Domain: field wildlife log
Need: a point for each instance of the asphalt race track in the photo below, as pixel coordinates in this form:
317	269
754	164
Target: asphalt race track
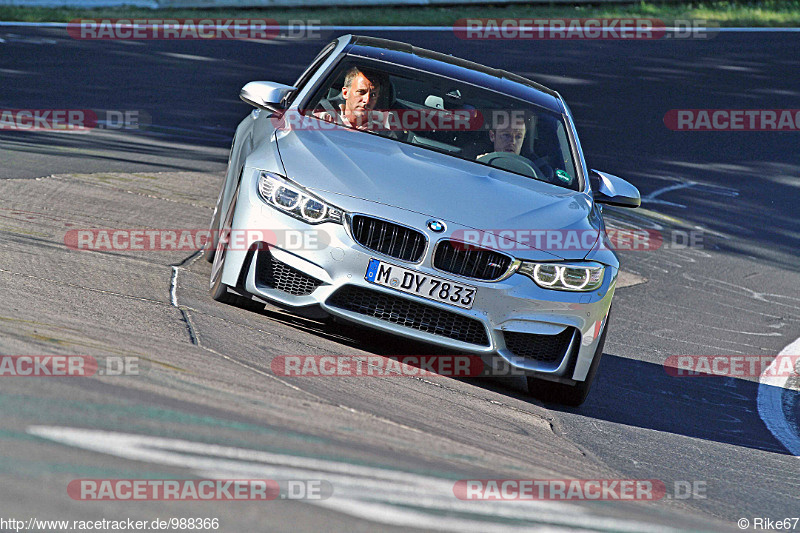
205	403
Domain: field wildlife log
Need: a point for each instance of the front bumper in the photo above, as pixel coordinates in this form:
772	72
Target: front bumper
301	265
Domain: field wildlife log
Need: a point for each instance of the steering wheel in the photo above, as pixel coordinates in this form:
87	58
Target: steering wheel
512	162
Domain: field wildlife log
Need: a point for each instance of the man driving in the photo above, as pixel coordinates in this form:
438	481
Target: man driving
361	90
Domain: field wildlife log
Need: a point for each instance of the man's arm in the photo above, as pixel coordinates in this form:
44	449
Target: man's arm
327	112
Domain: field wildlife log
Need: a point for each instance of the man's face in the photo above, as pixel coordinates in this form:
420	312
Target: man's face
508	139
360	97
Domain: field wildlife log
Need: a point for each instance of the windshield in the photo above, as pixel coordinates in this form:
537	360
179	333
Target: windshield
447	116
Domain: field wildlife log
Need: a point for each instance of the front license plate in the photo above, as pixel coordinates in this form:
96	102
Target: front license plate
413	282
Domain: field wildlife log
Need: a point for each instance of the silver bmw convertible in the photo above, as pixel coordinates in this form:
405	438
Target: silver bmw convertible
428	197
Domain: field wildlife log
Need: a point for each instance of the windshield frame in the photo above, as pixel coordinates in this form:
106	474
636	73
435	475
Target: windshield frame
326	78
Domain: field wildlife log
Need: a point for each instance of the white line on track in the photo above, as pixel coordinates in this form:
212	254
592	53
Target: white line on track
651	198
173	298
381	495
771	389
714	189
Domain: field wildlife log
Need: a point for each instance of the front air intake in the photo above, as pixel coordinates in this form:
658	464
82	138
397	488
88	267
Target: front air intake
388	238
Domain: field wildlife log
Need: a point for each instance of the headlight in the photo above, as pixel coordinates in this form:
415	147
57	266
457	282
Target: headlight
565	276
285	196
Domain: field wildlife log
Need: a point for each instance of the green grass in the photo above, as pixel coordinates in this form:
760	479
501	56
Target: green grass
763	13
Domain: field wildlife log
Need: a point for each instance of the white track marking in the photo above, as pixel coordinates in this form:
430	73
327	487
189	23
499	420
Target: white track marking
173	284
771	389
694	321
652	198
381	495
646	328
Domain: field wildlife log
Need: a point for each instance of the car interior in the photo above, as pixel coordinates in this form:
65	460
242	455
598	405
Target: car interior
542	155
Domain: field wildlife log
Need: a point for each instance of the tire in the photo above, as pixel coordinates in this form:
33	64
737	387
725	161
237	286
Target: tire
571	395
218	290
210	249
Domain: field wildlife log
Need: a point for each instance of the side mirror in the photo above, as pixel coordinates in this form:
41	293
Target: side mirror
266	94
612	190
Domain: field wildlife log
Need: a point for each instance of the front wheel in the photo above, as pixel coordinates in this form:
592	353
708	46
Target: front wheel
213	238
571	395
210	249
217	289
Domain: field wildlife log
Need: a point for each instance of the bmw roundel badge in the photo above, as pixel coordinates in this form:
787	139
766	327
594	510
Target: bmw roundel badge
436	225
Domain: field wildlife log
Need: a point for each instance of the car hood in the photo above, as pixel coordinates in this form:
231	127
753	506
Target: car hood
364	166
